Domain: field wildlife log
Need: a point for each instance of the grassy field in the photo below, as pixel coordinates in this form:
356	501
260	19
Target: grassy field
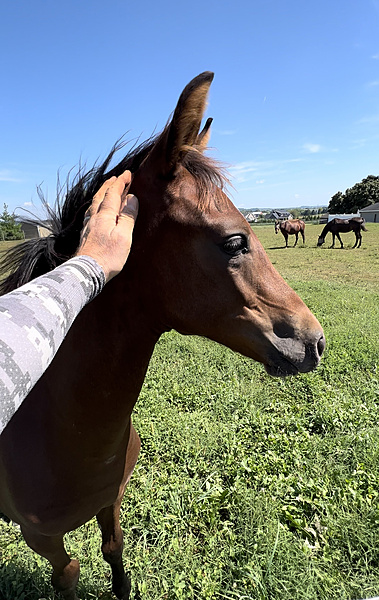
249	487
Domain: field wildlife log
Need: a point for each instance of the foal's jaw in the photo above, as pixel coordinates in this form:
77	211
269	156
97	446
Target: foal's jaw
282	354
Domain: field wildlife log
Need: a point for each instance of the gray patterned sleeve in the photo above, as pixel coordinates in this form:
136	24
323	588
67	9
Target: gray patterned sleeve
34	320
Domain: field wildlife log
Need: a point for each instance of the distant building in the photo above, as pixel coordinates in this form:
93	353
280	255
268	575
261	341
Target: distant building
34	230
371	213
252	217
280	215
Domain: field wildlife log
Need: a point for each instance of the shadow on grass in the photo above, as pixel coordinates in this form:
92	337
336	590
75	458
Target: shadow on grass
17	583
280	247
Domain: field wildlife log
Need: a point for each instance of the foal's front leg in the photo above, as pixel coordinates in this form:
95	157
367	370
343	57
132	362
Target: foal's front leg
65	570
113	543
109	521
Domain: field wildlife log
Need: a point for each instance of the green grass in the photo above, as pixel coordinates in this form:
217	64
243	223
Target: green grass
249	487
358	267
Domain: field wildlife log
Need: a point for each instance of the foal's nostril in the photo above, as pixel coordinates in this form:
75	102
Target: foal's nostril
321	346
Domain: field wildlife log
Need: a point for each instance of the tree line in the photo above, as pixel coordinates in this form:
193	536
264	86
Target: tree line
357	197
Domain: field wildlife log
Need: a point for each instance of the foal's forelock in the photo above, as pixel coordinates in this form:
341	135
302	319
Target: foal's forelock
210	179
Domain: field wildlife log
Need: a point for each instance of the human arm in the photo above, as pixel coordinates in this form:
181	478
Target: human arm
35	318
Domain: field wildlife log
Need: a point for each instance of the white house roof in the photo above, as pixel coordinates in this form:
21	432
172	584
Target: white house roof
280	214
371	208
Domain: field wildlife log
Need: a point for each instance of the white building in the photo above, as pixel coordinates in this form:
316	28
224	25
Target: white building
371	213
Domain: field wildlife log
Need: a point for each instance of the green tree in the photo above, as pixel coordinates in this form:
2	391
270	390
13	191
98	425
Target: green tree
336	204
359	196
9	228
362	194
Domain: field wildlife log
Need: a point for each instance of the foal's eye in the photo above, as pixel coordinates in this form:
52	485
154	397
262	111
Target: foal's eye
235	245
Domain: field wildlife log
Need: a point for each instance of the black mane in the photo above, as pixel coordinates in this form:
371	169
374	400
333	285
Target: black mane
35	257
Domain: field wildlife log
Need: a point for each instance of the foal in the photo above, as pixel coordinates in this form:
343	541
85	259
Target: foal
195	266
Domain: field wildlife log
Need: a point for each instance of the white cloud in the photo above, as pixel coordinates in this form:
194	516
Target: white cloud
226	131
373	83
7	175
28	204
360	143
244	171
375	57
370	119
246	167
312	148
272	185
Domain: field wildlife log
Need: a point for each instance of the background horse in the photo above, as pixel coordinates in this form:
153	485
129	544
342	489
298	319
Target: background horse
337	226
291	227
196	266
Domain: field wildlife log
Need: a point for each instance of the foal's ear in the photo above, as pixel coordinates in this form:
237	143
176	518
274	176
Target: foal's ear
183	131
203	137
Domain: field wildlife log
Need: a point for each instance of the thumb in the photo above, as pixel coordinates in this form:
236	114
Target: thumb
130	206
129	211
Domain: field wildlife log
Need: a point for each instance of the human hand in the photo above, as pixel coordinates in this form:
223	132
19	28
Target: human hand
108	225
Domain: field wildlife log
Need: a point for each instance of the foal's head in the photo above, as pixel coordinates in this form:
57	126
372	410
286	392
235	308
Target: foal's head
197	264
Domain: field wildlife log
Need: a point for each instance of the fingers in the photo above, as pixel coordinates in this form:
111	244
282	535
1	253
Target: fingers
112	197
111	191
99	197
108	235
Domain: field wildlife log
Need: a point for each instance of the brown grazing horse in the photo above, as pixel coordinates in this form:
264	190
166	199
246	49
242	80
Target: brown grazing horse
195	266
337	226
291	227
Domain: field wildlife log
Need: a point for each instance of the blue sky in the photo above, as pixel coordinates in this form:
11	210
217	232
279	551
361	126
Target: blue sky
295	99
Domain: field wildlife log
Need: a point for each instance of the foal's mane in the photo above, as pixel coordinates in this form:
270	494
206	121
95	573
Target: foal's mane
35	257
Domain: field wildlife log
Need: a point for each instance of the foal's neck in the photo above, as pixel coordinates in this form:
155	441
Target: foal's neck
103	360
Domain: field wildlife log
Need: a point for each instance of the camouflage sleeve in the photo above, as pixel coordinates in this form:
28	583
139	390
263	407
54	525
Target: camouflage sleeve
34	320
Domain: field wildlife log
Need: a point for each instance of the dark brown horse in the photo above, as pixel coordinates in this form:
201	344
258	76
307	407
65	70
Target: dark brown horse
337	226
69	451
291	227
